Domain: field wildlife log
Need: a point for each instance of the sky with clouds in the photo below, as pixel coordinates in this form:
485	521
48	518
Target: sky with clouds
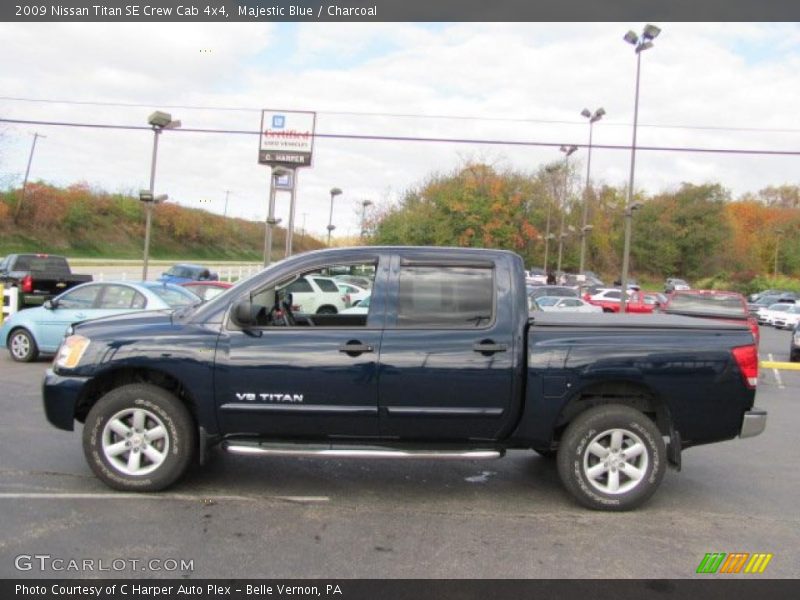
706	85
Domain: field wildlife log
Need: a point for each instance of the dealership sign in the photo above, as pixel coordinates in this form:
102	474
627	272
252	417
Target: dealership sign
287	138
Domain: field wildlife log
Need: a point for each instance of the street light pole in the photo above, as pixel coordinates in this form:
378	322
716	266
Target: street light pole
158	121
27	172
641	44
225	211
778	234
364	205
334	192
550	170
567	150
593	118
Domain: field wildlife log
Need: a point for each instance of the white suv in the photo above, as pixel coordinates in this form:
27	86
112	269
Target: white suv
315	294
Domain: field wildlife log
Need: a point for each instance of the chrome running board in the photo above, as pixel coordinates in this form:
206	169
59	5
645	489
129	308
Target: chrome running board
333	451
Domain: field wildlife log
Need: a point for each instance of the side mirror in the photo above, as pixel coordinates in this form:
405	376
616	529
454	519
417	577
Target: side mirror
244	313
50	305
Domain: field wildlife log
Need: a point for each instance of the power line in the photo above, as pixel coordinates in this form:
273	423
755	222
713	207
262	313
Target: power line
394	138
398	115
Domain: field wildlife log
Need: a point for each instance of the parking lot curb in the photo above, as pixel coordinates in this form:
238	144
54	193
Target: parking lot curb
773	364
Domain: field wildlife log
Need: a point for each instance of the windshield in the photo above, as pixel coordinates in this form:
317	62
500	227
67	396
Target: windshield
711	304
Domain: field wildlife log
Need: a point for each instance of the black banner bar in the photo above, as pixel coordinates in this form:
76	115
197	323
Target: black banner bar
714	588
155	11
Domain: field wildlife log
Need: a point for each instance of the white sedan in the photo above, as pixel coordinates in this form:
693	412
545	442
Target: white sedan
556	304
767	316
787	319
355	293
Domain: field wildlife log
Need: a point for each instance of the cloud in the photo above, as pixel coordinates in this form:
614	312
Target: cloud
718	75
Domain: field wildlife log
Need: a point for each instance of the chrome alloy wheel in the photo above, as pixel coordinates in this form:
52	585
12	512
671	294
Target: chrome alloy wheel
20	345
135	441
615	461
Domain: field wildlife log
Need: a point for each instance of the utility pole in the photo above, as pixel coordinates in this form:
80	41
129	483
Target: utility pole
27	172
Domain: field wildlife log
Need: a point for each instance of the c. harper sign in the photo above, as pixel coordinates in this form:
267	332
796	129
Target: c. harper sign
287	138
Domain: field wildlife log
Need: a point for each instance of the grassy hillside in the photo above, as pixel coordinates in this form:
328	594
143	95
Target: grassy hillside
82	222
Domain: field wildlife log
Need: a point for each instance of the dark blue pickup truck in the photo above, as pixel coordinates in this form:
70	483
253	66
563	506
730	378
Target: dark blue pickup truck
446	362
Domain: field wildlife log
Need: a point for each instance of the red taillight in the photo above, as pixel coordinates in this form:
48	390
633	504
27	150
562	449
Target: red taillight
747	360
753	323
27	284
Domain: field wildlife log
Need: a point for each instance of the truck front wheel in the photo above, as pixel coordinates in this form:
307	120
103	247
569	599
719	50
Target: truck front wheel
139	437
612	457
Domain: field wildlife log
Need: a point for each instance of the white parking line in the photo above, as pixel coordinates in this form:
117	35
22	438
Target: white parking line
777	373
180	497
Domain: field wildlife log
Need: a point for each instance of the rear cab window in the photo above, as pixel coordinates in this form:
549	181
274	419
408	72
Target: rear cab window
448	297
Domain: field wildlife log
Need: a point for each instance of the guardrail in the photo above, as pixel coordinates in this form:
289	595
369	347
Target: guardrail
10	298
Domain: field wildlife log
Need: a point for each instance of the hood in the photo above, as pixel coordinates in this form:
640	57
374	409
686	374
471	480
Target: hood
141	322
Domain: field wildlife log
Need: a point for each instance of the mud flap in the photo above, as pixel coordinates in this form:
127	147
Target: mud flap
674	449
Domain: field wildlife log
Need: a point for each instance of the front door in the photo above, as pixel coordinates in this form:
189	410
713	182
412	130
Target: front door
314	378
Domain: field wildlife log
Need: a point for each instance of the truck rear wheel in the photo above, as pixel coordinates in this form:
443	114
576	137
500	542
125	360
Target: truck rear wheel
139	437
612	457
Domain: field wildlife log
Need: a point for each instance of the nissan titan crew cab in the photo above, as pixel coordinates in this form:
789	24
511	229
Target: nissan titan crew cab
444	361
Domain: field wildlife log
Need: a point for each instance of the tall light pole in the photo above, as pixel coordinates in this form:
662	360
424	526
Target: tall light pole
547	235
334	192
567	150
778	234
303	234
225	210
158	121
364	205
593	118
640	44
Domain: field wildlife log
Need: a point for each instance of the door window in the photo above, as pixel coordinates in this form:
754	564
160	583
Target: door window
445	297
83	297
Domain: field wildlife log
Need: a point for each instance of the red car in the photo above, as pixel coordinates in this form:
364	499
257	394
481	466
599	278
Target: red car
712	304
638	302
206	289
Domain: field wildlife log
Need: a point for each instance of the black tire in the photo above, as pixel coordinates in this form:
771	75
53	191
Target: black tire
21	346
177	446
794	357
647	467
327	310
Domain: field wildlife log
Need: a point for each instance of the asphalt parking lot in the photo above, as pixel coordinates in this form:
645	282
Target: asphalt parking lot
276	518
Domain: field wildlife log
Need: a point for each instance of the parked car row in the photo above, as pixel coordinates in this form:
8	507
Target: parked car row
30	332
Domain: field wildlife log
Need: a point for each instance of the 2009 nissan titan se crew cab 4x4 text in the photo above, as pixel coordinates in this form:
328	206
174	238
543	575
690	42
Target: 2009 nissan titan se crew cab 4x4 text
447	363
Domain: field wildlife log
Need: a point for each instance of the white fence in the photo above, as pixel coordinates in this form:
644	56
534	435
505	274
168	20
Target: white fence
230	273
10	301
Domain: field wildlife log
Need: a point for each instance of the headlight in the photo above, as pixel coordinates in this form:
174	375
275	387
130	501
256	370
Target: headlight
71	351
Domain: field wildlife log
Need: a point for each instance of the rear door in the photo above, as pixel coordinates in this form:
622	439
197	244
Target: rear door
446	367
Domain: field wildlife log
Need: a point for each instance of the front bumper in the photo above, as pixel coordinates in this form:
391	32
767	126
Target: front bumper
60	396
754	423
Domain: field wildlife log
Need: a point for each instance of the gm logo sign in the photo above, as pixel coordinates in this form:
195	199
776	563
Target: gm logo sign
278	121
736	562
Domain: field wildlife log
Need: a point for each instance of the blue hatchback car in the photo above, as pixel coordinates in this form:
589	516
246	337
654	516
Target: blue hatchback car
30	332
184	272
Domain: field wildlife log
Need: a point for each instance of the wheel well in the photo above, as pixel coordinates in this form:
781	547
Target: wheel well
104	383
626	393
327	306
